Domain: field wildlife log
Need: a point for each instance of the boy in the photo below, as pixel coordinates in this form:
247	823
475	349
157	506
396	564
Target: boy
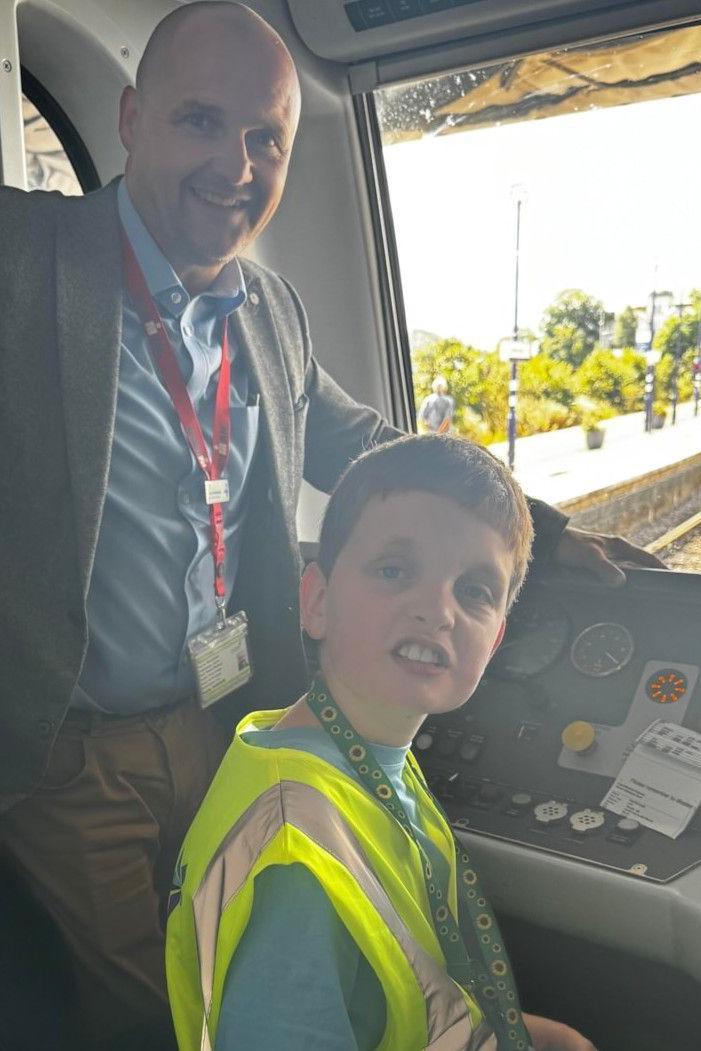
317	888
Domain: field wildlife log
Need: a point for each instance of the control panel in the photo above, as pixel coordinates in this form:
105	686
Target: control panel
581	673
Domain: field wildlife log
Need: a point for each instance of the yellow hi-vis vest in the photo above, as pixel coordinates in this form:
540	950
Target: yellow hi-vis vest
283	806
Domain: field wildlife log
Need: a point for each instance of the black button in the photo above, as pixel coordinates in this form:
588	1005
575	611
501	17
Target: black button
355	17
375	12
447	743
44	727
405	8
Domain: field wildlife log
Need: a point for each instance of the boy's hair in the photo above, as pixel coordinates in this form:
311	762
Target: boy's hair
442	466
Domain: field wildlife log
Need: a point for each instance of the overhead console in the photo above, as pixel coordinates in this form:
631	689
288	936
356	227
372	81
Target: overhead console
357	30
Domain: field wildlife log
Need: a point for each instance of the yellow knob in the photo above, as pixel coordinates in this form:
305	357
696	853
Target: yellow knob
579	736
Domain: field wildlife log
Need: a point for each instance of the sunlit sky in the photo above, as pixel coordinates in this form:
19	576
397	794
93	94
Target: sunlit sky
613	198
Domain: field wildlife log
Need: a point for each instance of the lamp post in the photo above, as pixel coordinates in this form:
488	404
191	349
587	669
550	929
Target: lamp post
644	341
680	308
514	351
519	196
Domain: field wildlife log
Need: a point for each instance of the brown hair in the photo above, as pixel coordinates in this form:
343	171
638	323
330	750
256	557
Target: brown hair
443	466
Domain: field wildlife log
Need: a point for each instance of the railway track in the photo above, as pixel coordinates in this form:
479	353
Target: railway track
680	547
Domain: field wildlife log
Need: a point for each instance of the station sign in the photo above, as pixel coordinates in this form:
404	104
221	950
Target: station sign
517	350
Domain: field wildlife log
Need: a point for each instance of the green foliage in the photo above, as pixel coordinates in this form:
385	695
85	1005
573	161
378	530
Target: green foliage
592	413
571	381
615	380
536	415
477	381
625	328
571	326
546	377
664	375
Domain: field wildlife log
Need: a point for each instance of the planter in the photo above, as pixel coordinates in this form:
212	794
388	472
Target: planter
595	439
658	420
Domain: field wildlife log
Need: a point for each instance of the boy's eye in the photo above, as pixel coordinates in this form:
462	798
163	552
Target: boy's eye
473	594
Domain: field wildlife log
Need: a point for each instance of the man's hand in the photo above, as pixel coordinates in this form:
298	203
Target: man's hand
596	552
547	1035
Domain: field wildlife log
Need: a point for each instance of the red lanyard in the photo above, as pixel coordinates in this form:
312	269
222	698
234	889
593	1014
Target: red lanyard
164	357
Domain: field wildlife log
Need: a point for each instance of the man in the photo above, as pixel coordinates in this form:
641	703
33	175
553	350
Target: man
436	410
107	556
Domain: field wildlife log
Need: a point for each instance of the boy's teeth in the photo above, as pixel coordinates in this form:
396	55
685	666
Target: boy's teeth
413	652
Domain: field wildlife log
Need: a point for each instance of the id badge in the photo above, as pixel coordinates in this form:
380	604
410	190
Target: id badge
220	659
216	492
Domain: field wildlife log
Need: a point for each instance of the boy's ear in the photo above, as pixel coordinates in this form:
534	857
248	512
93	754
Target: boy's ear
500	636
312	601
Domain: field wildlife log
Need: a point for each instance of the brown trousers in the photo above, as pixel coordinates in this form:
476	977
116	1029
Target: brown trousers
96	845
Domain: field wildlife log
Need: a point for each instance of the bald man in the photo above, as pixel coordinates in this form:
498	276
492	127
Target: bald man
159	405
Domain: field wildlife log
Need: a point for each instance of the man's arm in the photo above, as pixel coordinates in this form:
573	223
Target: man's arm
555	1036
290	985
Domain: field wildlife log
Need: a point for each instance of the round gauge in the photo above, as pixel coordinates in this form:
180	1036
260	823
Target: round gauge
535	638
666	686
602	649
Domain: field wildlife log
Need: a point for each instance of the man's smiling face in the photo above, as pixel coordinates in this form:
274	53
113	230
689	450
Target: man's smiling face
209	136
412	611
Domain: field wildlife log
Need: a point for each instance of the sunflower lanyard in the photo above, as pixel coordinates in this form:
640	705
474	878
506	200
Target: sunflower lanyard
482	966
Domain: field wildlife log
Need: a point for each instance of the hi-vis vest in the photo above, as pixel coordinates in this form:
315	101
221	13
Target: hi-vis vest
281	806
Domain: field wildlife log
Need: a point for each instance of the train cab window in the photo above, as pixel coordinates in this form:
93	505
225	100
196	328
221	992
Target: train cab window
48	166
547	225
55	154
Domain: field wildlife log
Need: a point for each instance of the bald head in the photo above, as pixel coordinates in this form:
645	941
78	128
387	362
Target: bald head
205	15
209	130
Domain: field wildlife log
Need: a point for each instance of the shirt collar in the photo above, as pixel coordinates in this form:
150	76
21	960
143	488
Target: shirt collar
227	292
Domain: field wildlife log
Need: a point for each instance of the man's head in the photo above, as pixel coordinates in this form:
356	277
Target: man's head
424	545
440	385
209	129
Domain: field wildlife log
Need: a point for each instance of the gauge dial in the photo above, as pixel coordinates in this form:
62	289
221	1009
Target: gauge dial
666	686
602	649
535	638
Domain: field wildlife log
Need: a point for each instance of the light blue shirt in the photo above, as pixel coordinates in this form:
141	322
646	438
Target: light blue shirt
152	585
298	981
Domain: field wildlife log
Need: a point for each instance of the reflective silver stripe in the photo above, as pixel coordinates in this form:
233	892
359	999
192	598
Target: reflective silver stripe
482	1039
308	810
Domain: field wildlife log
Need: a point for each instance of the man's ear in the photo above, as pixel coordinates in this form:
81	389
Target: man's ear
312	601
500	636
128	113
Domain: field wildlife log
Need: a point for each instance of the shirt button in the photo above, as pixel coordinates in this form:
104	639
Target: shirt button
187	330
175	297
254	299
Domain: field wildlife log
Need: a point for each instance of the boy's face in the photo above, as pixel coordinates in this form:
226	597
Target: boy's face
412	611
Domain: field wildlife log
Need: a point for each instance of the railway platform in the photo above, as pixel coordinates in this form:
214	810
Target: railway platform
558	467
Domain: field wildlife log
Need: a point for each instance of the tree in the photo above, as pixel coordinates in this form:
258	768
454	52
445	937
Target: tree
571	326
625	328
614	379
477	381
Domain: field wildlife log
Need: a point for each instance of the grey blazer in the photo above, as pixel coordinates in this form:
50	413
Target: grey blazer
60	320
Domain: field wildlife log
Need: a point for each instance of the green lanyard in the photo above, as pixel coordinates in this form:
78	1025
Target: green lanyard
480	966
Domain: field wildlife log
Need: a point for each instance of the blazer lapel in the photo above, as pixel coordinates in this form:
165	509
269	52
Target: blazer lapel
264	361
89	315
